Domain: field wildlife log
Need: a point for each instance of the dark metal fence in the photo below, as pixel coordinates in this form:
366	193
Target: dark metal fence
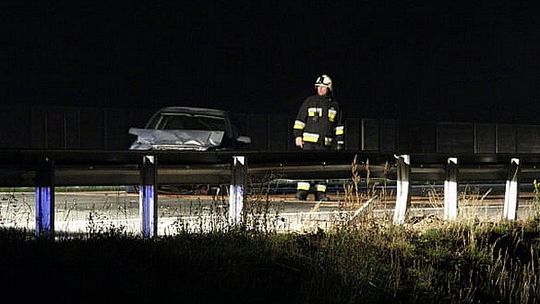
48	127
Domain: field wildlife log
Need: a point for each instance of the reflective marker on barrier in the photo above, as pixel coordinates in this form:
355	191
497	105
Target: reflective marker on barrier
148	197
44	211
403	195
236	203
44	199
146	210
237	189
511	194
451	189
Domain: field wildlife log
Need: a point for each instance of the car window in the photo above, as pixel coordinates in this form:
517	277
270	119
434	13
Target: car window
180	121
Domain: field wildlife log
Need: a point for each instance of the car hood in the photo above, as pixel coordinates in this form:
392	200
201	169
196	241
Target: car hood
197	140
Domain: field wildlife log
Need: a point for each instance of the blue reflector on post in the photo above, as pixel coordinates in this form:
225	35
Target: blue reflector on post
146	209
44	211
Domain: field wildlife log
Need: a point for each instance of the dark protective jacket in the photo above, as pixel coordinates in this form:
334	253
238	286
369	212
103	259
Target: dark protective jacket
319	121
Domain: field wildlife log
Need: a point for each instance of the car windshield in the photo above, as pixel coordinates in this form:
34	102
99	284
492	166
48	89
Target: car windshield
185	121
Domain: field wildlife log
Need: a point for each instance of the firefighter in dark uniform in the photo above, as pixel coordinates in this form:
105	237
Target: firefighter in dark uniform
318	126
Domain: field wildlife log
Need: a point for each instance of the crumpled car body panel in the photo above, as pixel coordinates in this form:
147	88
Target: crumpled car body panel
191	140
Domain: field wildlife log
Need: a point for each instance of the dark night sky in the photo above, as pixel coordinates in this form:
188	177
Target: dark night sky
457	61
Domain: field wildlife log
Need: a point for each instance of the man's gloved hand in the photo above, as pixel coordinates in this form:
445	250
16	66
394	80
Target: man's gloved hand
299	142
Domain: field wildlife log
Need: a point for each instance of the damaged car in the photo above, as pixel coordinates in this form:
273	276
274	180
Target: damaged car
189	129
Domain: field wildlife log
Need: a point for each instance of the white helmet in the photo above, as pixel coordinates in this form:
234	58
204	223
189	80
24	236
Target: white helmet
324	81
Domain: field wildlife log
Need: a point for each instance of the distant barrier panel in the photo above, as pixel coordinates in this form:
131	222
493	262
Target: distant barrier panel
54	127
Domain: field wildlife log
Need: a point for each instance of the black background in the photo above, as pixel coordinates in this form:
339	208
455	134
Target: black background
413	60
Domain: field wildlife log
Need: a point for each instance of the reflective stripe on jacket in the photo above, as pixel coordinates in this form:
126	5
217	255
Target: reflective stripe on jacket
319	120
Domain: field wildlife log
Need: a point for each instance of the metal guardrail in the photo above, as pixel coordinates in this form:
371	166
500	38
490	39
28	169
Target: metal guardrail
46	169
19	168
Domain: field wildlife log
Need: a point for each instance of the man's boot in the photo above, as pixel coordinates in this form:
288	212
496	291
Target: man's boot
302	189
301	195
321	196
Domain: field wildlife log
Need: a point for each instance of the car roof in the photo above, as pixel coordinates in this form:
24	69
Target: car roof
194	110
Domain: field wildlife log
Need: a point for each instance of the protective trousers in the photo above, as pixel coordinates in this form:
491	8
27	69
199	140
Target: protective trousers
303	188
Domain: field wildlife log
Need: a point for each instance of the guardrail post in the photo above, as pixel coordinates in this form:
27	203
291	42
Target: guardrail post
403	195
44	200
237	189
148	197
451	189
511	195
